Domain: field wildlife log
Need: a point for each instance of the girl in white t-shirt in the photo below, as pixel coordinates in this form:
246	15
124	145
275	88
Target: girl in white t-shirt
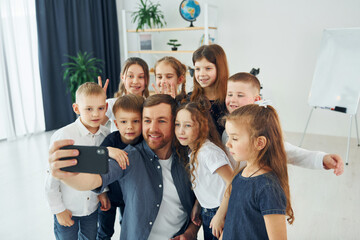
209	165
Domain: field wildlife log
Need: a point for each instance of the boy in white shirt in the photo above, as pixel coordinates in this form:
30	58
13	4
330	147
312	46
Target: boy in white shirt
244	88
75	212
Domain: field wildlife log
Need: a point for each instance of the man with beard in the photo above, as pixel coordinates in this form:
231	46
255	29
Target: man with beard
156	188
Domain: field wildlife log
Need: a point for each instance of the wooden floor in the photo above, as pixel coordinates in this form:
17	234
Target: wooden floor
325	206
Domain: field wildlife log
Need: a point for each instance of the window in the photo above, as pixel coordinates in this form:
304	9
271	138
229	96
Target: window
20	89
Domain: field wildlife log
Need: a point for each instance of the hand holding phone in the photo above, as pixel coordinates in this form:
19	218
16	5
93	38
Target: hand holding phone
91	159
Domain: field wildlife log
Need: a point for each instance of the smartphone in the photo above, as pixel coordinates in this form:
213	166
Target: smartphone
91	159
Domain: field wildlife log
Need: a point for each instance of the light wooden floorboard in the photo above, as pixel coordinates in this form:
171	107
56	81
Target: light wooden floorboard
325	206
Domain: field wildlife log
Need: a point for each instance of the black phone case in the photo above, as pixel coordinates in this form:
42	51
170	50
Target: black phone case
91	159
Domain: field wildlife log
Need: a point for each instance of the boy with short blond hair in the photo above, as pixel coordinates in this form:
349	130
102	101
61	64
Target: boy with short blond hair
127	111
75	212
244	88
246	78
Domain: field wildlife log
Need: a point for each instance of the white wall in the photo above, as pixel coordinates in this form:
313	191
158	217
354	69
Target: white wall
282	38
190	40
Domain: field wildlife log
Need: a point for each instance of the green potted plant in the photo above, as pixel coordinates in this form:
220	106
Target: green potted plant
83	68
174	44
148	15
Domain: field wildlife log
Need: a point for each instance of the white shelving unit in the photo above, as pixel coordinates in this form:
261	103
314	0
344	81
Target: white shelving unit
206	28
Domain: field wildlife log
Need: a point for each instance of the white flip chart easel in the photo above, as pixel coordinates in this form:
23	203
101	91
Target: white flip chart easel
336	81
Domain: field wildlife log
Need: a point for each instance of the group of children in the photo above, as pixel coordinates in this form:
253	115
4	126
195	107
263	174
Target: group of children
234	201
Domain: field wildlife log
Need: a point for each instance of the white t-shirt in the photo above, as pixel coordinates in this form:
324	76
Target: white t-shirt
172	215
209	186
297	156
61	196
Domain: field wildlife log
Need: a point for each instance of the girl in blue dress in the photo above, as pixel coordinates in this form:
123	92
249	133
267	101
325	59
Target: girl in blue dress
259	203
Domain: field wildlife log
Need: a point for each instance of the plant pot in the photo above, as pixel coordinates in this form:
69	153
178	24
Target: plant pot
174	48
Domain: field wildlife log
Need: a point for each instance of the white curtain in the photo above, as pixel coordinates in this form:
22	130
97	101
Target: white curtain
20	90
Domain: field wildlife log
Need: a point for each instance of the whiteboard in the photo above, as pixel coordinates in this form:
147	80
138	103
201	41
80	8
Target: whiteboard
336	81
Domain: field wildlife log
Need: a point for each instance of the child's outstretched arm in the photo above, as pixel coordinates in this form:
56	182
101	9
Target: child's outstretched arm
217	223
313	159
275	226
120	156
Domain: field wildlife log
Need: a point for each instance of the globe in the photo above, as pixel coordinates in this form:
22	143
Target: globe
189	10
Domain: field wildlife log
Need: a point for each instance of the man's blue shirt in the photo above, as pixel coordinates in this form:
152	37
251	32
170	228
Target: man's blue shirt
115	193
141	184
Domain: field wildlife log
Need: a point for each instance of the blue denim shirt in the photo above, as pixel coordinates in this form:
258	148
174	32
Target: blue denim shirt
115	193
141	184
